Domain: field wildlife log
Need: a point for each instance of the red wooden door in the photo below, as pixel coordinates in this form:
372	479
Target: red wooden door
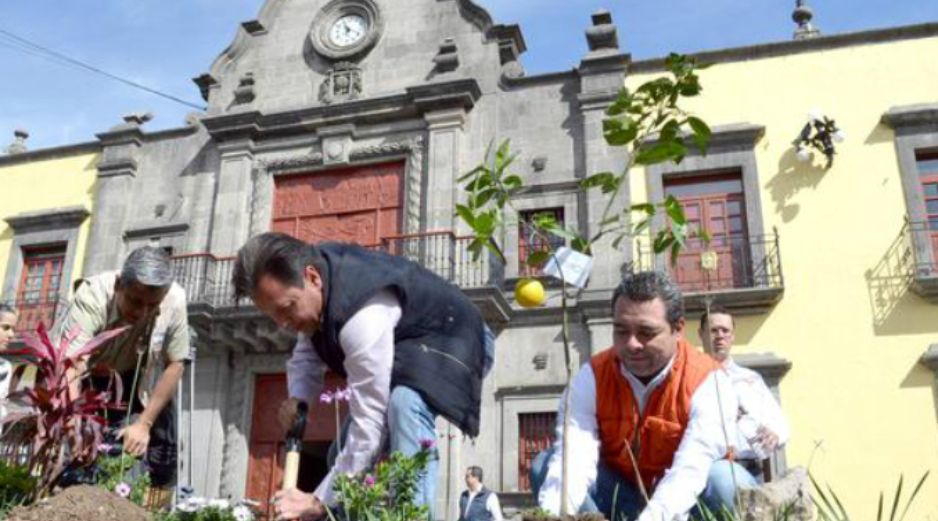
535	434
716	205
928	176
360	205
266	447
38	292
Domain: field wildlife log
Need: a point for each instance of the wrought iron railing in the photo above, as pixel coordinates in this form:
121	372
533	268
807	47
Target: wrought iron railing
207	278
923	239
734	262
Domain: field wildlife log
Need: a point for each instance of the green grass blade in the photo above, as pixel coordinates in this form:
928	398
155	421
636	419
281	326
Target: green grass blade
914	493
826	510
895	500
879	511
840	506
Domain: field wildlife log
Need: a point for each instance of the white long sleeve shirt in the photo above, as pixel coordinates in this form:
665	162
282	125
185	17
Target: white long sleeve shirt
703	443
757	402
367	340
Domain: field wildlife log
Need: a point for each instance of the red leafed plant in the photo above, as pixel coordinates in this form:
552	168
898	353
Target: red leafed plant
59	429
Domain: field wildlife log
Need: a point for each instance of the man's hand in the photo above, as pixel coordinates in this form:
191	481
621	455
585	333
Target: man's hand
295	504
767	438
136	438
287	413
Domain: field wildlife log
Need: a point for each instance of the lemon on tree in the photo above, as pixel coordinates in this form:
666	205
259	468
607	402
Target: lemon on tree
529	293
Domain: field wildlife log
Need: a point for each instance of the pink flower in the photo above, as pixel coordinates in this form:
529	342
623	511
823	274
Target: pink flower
343	395
325	397
369	480
427	444
122	489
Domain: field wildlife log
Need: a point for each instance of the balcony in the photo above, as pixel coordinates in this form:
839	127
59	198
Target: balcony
207	278
922	240
742	274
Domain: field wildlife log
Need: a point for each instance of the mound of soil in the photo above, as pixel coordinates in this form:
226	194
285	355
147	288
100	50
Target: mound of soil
80	504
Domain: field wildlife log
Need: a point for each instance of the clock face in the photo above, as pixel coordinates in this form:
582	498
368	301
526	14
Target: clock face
348	30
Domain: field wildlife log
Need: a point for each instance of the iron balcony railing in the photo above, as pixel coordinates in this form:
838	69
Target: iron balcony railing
725	263
207	278
923	239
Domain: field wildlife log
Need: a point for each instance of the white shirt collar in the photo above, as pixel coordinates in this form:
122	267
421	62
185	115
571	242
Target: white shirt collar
641	390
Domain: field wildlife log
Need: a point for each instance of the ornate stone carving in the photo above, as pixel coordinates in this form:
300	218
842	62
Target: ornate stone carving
342	83
603	34
18	146
244	94
447	58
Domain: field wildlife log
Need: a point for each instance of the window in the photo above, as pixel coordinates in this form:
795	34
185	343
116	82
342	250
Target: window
535	434
529	242
38	293
927	166
714	203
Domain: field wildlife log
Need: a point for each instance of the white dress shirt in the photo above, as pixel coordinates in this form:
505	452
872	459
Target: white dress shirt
491	504
711	423
758	403
367	340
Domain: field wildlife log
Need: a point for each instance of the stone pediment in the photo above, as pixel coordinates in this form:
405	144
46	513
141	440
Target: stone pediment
308	53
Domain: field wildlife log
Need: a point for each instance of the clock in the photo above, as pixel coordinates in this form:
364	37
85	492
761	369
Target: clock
346	29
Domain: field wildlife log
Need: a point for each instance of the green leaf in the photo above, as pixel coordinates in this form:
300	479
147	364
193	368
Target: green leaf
641	226
512	182
562	232
659	152
581	245
679	232
479	199
599	179
663	240
914	493
702	133
472	173
618	240
502	154
648	208
895	500
611	220
466	214
674	210
670	130
485	223
537	259
620	131
622	103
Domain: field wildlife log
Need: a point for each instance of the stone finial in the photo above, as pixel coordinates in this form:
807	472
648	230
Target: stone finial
602	35
137	118
447	58
244	93
802	15
18	146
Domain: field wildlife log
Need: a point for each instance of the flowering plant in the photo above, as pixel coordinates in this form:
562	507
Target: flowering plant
111	476
194	508
334	397
388	493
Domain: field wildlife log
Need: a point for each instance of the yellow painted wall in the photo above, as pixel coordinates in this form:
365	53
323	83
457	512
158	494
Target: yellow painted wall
863	410
36	185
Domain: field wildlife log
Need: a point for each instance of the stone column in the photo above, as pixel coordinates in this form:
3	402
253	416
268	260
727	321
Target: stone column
232	216
445	134
117	170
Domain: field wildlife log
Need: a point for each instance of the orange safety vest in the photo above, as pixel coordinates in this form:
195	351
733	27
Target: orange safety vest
655	435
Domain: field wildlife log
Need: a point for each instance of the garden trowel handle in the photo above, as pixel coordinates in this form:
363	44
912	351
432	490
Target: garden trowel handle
294	444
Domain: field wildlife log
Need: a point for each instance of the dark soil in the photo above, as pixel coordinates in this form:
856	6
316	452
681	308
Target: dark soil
82	503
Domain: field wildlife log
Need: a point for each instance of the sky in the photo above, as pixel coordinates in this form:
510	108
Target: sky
165	43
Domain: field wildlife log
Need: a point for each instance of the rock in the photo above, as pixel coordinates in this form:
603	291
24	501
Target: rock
791	494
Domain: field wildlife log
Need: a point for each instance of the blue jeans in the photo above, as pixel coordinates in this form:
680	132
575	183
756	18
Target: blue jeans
611	486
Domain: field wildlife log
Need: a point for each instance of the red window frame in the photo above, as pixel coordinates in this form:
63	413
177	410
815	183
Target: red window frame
927	166
529	242
535	434
714	202
37	296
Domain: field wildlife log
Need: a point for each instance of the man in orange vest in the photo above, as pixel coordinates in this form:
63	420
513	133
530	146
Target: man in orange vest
649	416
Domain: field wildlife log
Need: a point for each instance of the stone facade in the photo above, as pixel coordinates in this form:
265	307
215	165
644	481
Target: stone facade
439	82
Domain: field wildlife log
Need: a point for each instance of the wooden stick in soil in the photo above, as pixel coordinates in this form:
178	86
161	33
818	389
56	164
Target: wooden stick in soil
638	474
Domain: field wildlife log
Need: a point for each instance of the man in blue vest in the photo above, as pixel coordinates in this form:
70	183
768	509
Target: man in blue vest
409	344
478	503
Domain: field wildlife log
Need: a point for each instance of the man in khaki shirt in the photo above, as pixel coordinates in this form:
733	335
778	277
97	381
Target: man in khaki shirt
144	298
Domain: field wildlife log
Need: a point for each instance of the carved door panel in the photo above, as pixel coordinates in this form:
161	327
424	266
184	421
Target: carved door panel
360	205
